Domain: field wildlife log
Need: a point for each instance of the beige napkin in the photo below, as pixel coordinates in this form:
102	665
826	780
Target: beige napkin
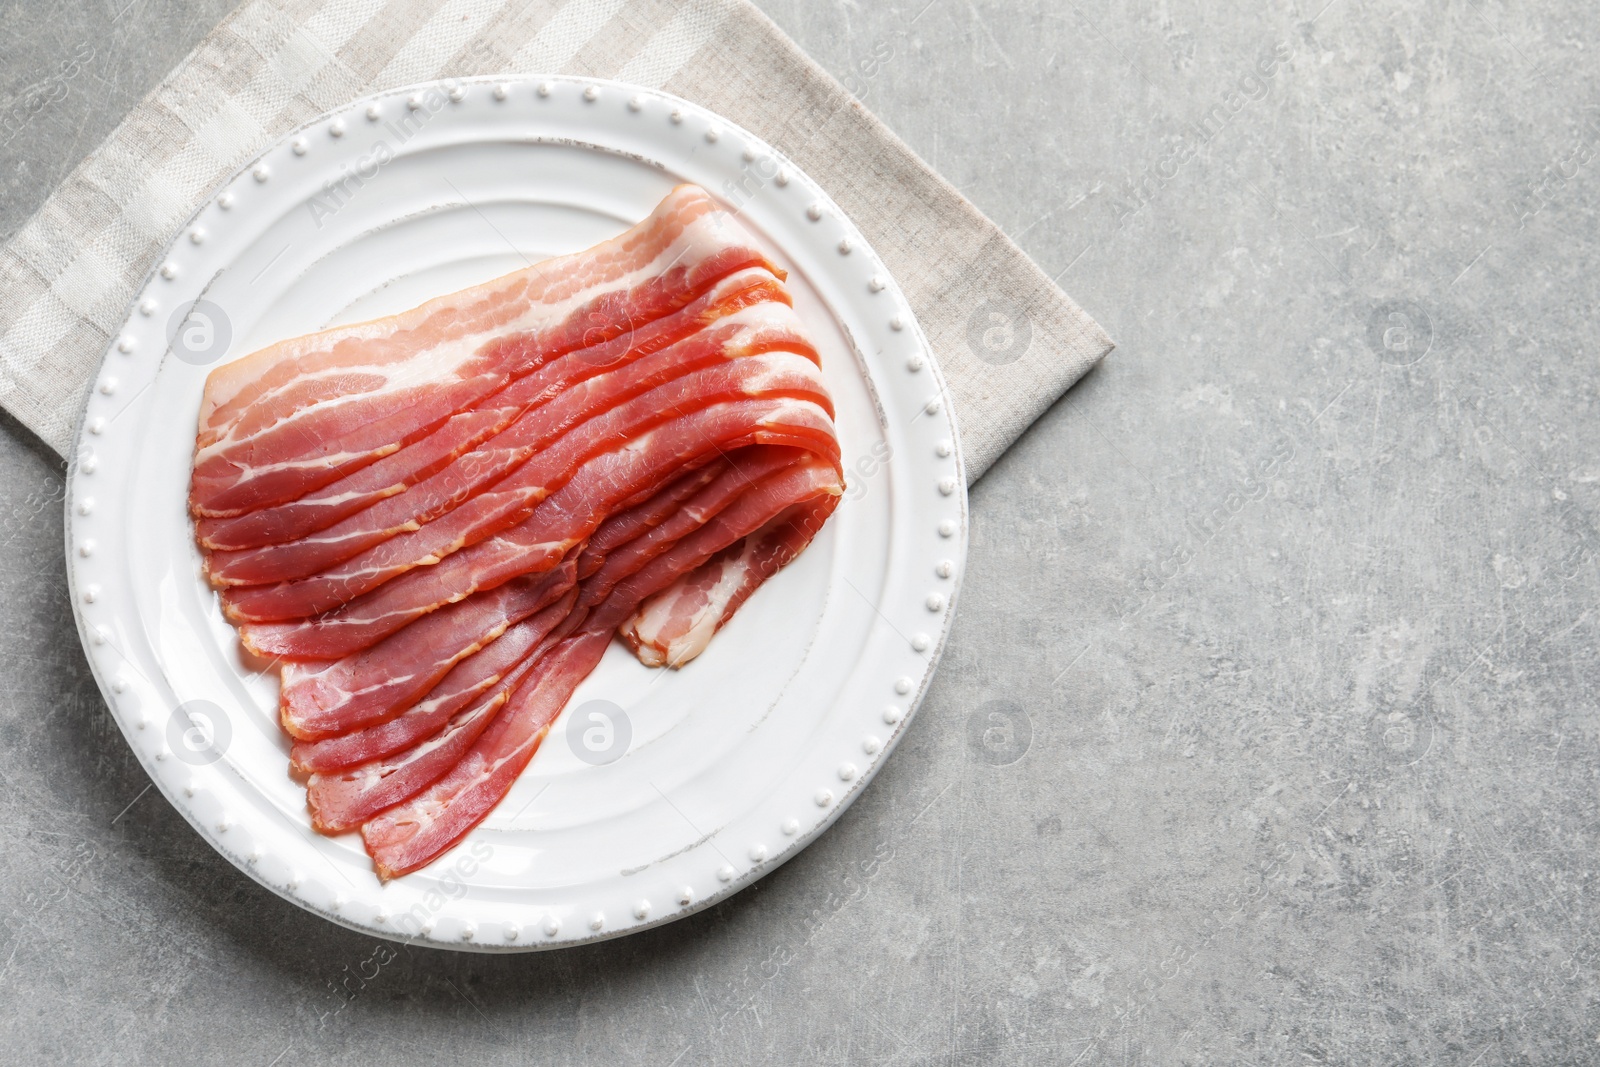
1009	341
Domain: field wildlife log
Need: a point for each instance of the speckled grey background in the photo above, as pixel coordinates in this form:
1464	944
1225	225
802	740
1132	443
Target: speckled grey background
1285	618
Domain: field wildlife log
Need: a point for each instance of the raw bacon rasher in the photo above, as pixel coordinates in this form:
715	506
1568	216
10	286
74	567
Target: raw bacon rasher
513	471
299	414
439	521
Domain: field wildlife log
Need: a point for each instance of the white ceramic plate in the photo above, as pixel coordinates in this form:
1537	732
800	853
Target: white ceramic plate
729	766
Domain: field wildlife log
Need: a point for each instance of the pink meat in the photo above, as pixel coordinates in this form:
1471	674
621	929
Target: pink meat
325	699
584	419
675	625
341	800
747	470
350	794
624	526
558	524
472	678
302	413
466	430
440	519
414	833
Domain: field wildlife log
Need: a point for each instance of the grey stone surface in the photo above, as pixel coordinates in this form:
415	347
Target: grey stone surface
1294	600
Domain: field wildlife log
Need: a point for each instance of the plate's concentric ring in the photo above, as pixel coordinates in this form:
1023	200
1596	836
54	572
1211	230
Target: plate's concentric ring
726	768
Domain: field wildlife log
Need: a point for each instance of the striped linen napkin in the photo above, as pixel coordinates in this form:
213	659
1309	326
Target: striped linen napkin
1009	341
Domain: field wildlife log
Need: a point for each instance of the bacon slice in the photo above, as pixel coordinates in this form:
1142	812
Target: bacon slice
471	679
500	485
330	698
560	523
624	526
341	799
413	834
439	520
466	430
675	625
746	471
302	413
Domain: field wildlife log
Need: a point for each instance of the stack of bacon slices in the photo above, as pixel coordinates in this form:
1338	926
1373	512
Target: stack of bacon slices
436	522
